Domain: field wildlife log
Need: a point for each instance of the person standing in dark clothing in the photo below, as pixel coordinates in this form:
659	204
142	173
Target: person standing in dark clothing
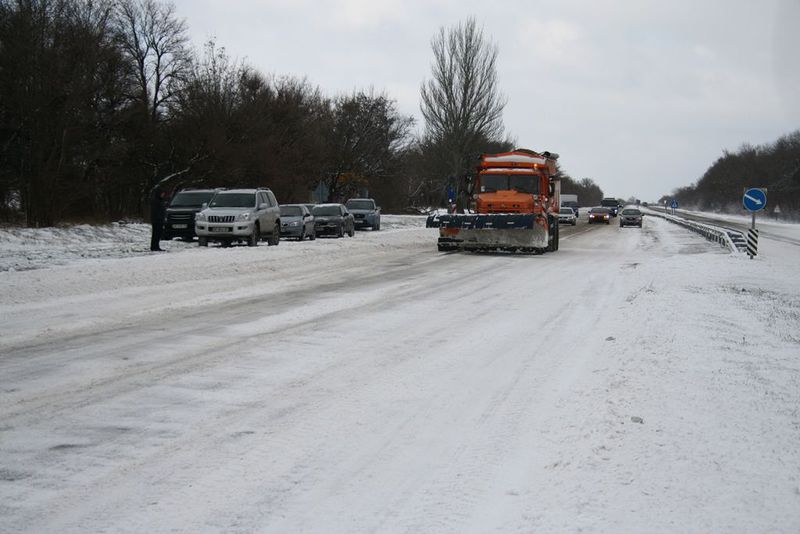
158	198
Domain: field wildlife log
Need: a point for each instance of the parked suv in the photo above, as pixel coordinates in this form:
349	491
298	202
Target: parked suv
365	213
240	215
179	217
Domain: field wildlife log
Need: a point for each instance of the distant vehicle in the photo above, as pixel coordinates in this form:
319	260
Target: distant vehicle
366	213
612	204
567	216
236	215
630	217
333	219
570	201
297	221
600	215
179	216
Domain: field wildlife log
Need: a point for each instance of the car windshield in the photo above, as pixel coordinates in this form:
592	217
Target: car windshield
599	211
326	210
233	200
360	205
291	211
186	199
523	183
631	212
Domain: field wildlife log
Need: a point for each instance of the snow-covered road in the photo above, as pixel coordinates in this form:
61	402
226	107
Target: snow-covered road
636	380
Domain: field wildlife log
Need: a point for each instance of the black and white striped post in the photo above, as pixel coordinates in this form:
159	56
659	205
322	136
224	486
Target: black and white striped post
755	199
752	242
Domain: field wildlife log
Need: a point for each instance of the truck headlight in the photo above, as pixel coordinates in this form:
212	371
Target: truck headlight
200	216
243	216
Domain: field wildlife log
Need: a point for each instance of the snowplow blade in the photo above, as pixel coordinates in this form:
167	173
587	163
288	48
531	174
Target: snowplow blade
507	232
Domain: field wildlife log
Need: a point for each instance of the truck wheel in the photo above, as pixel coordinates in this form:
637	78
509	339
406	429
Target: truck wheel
202	241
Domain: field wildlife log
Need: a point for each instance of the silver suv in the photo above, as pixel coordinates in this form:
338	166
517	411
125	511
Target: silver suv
240	215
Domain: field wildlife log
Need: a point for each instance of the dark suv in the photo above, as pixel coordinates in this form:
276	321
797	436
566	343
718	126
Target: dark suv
179	217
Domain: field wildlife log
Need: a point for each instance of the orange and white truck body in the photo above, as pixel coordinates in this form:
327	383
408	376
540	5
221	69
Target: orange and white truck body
515	200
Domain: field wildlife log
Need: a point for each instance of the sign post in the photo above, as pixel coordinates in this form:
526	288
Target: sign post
674	206
755	199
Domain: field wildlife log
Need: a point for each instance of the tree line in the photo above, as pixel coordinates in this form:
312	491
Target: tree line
775	166
102	100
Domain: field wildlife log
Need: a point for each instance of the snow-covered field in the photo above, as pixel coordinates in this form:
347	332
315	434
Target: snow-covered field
634	381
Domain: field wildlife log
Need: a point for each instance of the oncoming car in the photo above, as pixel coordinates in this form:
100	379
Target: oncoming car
566	215
630	217
599	215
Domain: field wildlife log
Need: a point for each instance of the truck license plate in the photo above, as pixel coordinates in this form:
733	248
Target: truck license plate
179	226
220	229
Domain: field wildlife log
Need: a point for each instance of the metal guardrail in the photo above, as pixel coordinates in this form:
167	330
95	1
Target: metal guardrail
733	240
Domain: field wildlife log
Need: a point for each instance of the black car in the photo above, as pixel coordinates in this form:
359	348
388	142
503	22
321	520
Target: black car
333	219
179	217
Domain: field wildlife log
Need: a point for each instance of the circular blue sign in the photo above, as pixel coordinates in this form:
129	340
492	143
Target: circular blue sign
754	199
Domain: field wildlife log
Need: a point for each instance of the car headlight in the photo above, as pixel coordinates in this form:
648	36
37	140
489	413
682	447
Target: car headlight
294	223
243	216
200	216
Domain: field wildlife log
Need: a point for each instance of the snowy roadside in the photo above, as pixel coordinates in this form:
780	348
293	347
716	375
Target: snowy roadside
656	392
23	249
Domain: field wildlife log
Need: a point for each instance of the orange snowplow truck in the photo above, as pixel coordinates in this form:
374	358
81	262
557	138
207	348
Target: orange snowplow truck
515	200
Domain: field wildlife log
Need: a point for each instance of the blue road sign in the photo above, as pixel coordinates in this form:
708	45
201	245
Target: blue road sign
674	204
451	194
754	199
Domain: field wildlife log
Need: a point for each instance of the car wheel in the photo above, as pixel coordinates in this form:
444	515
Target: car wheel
202	241
255	237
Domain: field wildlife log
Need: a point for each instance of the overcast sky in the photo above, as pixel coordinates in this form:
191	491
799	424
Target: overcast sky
641	96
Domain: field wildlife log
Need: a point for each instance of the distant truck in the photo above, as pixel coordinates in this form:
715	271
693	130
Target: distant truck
570	201
612	204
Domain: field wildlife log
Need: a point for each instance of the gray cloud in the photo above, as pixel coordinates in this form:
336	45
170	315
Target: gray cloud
641	96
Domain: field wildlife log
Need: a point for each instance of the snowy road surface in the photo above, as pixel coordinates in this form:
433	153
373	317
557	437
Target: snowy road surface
634	381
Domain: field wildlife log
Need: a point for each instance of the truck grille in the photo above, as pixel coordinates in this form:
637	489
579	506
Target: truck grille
220	218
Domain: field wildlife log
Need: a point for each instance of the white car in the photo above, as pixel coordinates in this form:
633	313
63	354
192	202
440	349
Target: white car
240	215
567	216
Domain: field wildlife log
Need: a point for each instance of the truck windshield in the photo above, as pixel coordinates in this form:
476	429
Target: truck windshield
609	202
523	183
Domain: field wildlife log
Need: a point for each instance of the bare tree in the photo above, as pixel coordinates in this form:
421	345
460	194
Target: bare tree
368	133
461	104
156	43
